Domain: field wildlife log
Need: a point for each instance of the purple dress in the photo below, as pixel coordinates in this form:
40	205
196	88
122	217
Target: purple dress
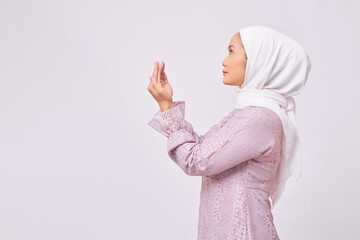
237	159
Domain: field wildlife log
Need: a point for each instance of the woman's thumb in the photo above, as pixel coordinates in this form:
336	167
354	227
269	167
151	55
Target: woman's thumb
165	78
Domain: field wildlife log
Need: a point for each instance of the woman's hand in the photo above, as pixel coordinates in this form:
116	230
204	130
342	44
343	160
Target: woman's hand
160	88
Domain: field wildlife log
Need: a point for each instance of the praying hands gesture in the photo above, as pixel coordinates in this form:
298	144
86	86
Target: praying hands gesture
160	88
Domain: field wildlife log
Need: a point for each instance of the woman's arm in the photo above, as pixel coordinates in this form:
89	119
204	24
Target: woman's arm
237	138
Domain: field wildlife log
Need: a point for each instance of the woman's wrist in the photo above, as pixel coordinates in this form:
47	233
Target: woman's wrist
165	105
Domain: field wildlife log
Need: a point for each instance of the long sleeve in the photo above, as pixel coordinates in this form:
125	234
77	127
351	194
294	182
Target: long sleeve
240	136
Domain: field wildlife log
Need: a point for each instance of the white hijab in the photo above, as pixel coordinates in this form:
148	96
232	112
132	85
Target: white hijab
276	70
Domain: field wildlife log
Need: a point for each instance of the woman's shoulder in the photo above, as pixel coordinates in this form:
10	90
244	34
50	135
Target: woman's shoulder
257	115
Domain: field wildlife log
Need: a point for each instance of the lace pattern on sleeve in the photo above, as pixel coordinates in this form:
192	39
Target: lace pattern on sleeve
240	136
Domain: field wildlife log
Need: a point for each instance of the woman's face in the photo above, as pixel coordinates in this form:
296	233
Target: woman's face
235	62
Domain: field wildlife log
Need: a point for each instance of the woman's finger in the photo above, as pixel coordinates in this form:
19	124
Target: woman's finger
162	67
155	72
154	69
162	70
165	78
158	72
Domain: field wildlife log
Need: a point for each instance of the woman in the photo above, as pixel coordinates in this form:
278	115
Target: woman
248	156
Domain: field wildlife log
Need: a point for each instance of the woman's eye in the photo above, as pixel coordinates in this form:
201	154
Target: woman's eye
230	51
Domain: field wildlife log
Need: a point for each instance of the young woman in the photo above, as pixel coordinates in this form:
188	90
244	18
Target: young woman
248	156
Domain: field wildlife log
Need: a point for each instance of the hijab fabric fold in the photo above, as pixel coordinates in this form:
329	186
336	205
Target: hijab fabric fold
277	69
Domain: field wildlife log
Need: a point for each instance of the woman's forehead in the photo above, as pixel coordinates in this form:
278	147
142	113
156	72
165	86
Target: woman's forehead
236	40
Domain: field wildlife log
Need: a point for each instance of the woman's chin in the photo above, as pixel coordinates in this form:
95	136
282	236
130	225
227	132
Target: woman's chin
226	82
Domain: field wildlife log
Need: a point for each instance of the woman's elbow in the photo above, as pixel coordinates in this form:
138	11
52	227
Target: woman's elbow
196	170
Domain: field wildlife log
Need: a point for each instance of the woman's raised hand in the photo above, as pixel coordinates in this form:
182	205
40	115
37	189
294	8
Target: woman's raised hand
160	88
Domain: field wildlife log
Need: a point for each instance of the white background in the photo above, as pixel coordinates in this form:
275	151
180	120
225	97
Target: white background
77	158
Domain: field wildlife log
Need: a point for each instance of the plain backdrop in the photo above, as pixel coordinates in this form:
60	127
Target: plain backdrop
77	158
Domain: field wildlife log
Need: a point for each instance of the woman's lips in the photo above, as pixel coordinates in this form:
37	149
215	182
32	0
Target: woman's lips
224	73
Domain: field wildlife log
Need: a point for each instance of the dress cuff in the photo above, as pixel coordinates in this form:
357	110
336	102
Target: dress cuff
170	120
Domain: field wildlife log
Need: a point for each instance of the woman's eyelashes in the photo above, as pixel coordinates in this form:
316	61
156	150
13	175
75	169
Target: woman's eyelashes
230	51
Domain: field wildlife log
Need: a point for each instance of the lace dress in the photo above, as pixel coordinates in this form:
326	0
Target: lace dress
237	159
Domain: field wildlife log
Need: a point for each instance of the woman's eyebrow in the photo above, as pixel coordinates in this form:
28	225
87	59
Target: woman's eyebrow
230	46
